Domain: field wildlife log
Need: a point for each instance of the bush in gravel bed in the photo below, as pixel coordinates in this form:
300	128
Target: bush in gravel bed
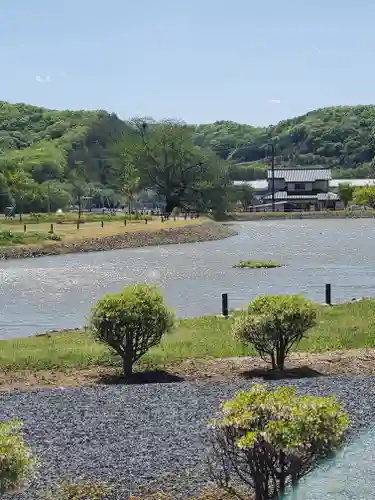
16	463
131	322
83	490
268	439
273	324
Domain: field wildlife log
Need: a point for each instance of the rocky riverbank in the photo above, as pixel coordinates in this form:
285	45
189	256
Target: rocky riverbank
254	216
208	231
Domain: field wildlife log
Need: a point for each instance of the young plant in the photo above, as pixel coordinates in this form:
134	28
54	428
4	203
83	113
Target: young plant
82	490
16	463
273	324
268	439
131	322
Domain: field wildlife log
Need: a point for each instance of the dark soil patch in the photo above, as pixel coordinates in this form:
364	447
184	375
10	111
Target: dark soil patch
300	365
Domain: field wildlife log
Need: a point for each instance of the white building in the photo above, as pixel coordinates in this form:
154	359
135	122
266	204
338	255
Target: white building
262	188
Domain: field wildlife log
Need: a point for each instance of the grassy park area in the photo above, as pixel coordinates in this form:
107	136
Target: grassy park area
341	327
12	232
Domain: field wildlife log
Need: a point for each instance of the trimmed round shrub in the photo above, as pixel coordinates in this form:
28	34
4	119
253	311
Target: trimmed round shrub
131	322
16	462
268	439
273	324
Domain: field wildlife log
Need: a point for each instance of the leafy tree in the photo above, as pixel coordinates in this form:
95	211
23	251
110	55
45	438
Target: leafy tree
268	439
170	164
131	322
55	195
345	192
365	196
248	171
23	189
131	183
6	197
244	194
42	161
79	183
16	463
273	324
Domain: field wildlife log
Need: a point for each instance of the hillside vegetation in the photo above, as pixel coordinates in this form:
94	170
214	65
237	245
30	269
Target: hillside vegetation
48	158
341	137
46	153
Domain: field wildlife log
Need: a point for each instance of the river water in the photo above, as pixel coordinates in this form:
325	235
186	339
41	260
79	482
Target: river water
57	292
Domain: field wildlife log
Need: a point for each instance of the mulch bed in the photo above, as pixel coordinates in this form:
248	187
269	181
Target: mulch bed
300	365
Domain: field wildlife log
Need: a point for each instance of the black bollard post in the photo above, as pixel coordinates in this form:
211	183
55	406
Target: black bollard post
162	218
24	228
224	304
145	221
51	229
77	224
328	294
124	222
102	223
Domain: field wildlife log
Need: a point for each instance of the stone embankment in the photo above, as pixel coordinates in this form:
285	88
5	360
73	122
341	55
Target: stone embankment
208	231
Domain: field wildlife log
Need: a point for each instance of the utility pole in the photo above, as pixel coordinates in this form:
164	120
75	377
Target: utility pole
49	197
273	176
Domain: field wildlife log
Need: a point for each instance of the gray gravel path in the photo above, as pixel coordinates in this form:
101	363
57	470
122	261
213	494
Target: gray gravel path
131	435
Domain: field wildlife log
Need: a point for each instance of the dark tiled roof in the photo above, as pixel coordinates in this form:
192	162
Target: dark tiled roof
301	174
283	195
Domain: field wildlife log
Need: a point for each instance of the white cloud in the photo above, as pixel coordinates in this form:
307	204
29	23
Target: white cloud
45	79
275	101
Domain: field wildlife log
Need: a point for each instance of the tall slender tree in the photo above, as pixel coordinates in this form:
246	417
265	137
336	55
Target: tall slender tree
130	184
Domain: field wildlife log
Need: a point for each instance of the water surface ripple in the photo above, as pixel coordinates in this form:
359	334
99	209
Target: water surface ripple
57	292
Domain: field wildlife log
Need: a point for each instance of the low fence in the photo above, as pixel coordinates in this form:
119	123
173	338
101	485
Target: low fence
327	299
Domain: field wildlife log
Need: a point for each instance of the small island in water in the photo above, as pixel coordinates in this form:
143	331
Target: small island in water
257	264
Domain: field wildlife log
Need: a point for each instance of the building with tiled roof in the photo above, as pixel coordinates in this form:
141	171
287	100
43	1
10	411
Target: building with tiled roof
302	188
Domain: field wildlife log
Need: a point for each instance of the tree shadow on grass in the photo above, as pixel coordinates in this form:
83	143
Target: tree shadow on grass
146	377
288	373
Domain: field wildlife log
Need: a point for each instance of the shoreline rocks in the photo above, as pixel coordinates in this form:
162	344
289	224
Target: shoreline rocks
208	231
260	216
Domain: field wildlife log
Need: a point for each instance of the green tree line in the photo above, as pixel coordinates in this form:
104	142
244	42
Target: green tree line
51	159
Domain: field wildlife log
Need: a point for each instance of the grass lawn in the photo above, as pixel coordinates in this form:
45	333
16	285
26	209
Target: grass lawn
339	327
38	233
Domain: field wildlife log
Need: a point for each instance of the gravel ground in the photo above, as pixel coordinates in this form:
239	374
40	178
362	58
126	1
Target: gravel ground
134	435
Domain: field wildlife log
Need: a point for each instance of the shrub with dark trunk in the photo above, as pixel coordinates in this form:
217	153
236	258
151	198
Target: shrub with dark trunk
131	322
268	439
273	324
16	462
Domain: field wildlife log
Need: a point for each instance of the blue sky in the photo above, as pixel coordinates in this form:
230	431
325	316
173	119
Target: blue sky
250	61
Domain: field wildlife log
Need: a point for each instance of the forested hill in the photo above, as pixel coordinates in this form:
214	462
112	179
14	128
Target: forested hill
40	146
341	137
46	154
